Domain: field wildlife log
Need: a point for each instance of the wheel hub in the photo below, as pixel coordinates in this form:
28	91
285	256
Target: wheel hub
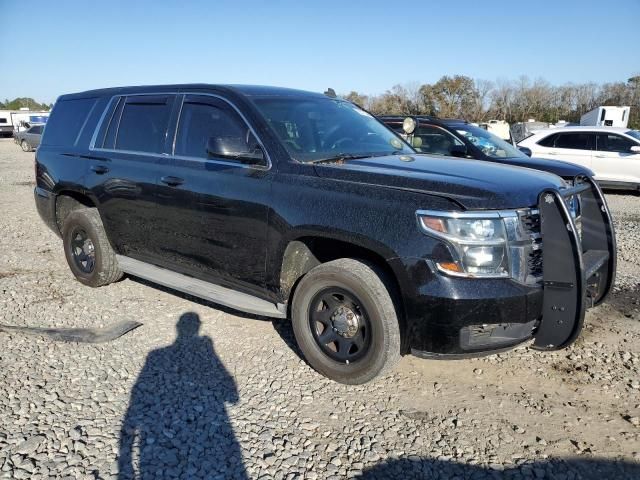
345	322
88	247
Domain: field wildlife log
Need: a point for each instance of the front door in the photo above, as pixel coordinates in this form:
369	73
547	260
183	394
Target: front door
213	208
614	161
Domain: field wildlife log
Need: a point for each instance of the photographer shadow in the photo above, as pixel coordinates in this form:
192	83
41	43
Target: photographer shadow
176	425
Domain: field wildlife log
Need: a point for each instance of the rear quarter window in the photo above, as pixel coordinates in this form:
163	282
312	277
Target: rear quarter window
67	120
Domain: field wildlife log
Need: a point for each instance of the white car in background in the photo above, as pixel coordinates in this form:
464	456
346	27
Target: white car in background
612	153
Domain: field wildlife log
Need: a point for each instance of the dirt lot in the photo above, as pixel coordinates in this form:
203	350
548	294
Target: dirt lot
204	392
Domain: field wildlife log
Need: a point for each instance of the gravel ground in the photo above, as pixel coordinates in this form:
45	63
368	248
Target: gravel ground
204	392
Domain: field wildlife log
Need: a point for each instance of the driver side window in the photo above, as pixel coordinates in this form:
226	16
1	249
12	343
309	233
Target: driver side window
610	142
205	122
435	140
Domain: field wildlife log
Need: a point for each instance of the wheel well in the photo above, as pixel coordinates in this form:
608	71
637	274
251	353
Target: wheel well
303	254
66	202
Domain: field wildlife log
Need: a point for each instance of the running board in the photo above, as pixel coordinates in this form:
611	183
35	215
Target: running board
199	288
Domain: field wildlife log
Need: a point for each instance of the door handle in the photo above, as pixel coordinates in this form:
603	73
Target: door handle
553	153
172	181
99	169
599	156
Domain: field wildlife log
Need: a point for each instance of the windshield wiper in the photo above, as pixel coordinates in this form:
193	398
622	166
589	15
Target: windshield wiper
341	157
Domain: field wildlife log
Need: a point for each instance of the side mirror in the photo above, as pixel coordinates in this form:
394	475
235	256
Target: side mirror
234	148
635	149
527	151
458	151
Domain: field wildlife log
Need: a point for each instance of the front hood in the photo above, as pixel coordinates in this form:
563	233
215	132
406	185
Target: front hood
558	167
473	184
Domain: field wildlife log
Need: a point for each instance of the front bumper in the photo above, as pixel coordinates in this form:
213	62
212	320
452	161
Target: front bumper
460	317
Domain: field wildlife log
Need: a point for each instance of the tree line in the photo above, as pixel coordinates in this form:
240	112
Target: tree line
518	100
24	102
475	100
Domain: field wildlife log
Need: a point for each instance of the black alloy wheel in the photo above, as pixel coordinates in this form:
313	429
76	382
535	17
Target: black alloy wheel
340	325
83	250
87	249
345	321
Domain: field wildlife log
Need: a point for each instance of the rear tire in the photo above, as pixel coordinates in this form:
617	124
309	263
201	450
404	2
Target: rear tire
345	321
25	146
87	249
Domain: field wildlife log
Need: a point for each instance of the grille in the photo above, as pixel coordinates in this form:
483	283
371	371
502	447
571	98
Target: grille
530	222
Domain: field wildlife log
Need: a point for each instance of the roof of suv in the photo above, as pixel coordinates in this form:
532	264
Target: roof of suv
583	128
427	118
245	90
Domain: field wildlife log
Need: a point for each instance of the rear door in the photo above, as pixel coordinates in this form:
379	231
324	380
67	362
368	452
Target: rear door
613	159
213	209
574	147
123	169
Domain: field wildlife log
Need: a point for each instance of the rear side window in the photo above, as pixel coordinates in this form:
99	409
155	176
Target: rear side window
3	120
66	120
548	141
37	129
576	141
143	124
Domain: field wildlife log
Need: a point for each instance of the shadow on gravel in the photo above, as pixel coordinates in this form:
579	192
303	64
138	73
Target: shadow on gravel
431	469
176	425
282	327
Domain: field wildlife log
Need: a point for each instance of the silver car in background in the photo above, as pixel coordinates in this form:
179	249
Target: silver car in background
29	139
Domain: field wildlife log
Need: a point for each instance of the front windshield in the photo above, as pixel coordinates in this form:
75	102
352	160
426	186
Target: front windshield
633	133
491	145
315	129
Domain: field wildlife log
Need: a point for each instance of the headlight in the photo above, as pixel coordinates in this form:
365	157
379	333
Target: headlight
478	241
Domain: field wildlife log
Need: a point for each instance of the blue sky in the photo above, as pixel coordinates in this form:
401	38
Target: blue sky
56	47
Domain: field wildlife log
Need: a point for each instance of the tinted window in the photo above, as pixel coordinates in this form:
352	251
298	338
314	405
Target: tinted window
610	142
434	140
577	140
143	124
110	125
202	120
316	128
36	129
66	120
3	120
548	141
396	127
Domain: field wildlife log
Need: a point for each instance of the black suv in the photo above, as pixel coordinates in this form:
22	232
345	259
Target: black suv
459	138
293	204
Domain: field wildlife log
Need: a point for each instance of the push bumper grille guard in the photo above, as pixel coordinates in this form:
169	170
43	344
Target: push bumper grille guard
577	272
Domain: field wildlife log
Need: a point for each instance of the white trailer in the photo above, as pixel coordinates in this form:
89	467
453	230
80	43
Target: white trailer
606	116
14	121
499	128
6	123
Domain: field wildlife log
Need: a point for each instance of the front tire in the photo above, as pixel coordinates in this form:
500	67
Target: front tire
345	321
87	249
25	146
